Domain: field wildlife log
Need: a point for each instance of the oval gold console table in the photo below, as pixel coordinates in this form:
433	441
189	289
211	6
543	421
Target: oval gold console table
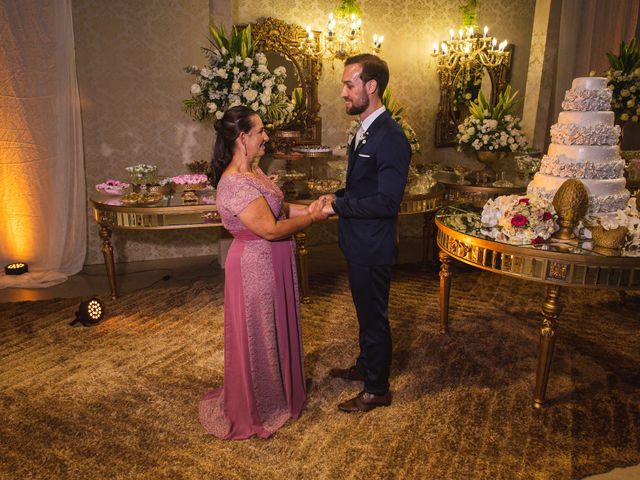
558	265
171	213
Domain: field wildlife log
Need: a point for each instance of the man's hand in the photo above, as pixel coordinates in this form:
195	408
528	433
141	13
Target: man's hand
316	210
328	198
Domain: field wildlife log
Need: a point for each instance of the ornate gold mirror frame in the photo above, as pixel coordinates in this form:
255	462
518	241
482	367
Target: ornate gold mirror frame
273	35
452	109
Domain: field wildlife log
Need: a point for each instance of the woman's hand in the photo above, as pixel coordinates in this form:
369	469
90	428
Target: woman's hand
316	210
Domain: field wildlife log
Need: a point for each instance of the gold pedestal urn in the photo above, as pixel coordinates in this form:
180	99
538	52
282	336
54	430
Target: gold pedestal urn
488	158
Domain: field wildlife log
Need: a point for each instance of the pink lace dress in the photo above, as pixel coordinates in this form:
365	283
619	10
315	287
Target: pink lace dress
263	360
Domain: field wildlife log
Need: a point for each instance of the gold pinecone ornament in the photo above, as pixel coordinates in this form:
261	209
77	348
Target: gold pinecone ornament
571	202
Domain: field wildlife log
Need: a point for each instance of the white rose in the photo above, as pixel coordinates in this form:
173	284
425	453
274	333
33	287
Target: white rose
254	106
219	114
195	89
206	73
282	88
212	107
254	77
267	83
248	62
250	95
235	70
265	98
263	68
280	71
235	87
262	59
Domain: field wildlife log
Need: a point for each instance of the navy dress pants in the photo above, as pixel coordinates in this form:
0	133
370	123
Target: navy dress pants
370	292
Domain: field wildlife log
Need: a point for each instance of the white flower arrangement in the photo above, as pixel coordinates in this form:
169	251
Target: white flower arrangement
519	219
492	127
143	174
623	79
236	74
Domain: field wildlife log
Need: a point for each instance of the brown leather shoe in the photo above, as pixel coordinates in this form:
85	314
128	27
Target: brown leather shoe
365	402
350	373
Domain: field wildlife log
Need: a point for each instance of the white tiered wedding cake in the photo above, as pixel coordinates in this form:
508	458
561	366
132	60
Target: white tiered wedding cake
584	145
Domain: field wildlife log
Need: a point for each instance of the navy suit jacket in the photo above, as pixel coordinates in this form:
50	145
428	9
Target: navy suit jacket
369	204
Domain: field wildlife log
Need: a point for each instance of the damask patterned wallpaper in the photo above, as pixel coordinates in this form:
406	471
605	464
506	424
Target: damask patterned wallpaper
130	58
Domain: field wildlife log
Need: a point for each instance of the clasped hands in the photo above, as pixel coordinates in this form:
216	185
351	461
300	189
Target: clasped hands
321	208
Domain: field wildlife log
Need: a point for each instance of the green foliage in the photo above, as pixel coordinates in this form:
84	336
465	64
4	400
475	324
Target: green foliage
348	7
628	59
482	108
395	110
469	14
240	42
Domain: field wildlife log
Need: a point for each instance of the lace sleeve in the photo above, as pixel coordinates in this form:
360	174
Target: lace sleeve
236	193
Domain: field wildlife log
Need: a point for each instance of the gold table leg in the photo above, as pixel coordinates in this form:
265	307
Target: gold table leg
301	252
107	252
551	310
445	288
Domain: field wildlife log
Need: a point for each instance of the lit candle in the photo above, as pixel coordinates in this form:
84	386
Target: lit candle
435	48
380	40
493	42
466	49
460	33
470	32
309	33
444	47
452	34
486	30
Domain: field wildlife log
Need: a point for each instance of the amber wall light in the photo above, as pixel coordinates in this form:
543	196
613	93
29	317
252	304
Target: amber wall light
16	268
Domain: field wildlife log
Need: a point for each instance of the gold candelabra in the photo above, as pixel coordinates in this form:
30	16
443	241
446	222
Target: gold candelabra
342	38
468	51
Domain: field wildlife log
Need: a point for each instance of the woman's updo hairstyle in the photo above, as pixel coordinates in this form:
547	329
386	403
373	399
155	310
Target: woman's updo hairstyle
234	121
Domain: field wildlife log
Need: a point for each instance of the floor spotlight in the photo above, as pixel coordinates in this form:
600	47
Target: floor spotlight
16	268
90	312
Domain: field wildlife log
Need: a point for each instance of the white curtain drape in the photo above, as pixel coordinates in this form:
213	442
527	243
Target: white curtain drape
42	181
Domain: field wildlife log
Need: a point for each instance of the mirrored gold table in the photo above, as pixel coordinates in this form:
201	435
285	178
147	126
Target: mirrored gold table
558	265
171	213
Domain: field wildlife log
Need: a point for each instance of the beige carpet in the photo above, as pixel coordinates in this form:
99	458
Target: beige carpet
120	400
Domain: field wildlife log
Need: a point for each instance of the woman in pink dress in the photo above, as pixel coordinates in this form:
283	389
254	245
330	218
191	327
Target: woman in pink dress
264	383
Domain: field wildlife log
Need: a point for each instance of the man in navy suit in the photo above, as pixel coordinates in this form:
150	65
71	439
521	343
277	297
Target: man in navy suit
368	208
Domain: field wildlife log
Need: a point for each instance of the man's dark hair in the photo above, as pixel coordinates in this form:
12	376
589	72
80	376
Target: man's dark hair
373	68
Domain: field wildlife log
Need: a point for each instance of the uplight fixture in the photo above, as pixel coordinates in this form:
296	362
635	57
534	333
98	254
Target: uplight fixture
90	312
17	268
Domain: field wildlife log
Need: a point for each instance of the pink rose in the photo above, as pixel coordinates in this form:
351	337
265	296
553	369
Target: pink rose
546	216
519	220
537	241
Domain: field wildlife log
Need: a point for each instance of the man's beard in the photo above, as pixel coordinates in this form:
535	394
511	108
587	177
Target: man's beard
357	109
